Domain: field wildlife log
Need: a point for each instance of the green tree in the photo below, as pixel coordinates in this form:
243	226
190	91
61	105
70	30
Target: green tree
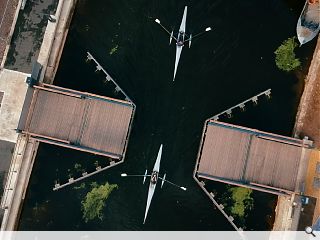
285	56
94	202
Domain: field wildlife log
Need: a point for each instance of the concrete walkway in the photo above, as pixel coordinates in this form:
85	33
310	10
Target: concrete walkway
13	88
283	219
17	181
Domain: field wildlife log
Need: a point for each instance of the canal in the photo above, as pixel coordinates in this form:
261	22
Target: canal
227	65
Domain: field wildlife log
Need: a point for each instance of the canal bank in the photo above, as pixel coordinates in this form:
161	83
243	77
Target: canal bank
308	116
167	119
308	125
140	115
25	150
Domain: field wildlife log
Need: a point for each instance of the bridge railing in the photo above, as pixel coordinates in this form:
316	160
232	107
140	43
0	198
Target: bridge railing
108	77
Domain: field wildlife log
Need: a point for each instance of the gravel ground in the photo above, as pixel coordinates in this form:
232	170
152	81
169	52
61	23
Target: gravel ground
7	12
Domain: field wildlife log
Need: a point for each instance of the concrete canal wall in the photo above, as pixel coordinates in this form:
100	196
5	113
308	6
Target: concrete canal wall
308	116
307	125
25	149
51	49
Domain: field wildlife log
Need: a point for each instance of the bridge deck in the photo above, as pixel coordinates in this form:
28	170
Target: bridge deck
79	120
252	158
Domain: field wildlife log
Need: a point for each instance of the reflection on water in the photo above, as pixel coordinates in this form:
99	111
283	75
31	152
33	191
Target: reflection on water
222	68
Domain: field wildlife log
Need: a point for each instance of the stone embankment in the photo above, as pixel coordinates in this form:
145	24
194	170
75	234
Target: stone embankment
308	116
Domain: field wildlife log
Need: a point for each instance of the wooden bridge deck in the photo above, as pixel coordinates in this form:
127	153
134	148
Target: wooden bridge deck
79	120
251	158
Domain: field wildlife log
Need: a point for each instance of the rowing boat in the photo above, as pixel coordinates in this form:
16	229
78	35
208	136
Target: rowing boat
180	40
154	176
308	24
153	182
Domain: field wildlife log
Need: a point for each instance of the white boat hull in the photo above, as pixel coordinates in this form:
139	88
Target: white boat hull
152	187
178	54
179	48
308	25
184	20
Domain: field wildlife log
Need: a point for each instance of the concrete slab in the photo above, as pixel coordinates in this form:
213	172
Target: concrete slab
17	181
283	219
64	15
6	151
14	86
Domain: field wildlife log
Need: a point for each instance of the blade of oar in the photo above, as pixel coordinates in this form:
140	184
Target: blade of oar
158	21
199	34
135	175
176	185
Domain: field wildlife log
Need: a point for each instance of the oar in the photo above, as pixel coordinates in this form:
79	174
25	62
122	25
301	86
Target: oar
199	34
158	21
176	185
134	175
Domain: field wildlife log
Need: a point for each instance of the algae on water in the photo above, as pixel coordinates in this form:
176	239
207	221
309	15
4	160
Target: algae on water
285	56
95	201
113	50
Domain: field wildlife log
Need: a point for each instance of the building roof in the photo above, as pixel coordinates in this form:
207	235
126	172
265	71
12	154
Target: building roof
252	158
79	120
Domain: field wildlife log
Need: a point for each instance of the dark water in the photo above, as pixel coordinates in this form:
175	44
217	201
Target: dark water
222	68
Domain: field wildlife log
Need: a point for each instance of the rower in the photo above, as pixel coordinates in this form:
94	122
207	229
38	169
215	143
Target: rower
183	37
153	181
180	43
154	177
180	40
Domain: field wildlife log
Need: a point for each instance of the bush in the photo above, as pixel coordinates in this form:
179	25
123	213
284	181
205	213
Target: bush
285	57
95	201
